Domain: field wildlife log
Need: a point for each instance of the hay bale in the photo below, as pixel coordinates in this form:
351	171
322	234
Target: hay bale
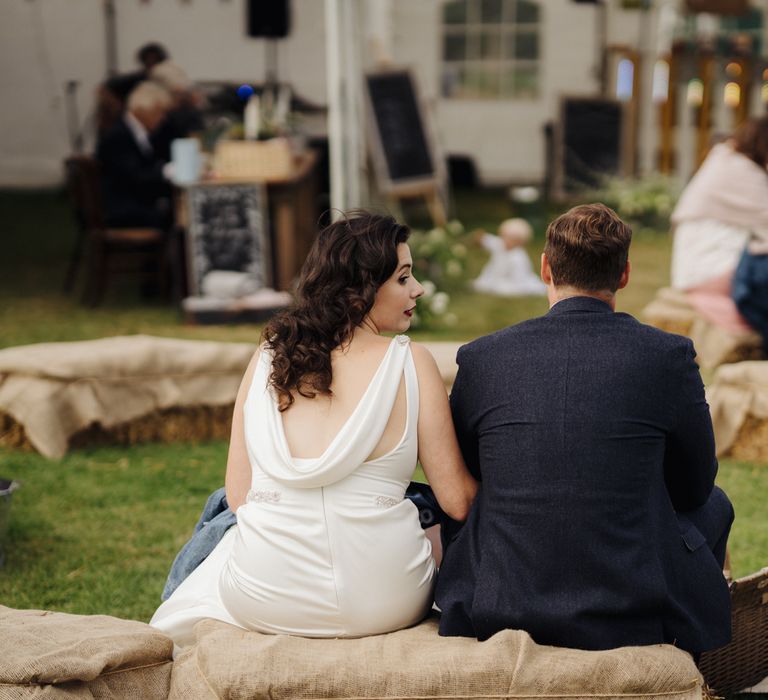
751	443
12	433
125	384
751	350
717	346
669	325
738	402
179	424
670	311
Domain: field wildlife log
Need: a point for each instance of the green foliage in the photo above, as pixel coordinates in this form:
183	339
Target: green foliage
439	257
645	202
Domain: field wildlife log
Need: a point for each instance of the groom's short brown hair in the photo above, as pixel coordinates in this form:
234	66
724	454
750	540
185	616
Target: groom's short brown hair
587	248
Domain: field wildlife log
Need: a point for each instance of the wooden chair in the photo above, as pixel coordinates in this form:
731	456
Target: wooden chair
108	251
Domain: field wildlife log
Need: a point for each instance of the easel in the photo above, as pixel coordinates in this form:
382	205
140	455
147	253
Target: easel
706	69
403	149
430	193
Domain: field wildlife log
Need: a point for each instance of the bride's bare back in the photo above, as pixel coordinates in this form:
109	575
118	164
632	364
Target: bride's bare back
310	425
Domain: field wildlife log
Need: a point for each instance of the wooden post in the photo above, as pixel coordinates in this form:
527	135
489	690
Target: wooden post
667	119
744	81
632	123
704	121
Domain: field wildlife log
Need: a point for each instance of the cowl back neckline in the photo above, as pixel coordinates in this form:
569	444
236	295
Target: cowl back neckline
356	439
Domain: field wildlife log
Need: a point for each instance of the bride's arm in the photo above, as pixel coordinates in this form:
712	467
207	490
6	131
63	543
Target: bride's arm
439	453
238	478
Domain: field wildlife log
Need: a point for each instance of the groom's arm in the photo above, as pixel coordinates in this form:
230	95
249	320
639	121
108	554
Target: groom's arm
690	464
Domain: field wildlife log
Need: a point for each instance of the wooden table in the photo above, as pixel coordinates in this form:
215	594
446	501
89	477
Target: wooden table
291	203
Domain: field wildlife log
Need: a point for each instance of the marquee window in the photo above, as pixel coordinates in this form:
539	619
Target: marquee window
491	49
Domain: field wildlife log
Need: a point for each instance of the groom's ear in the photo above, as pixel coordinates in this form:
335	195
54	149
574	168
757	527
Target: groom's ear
546	270
625	276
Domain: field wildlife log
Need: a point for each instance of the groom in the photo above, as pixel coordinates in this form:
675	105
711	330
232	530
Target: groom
598	524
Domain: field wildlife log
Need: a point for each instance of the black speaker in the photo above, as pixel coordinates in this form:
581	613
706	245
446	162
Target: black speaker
269	18
718	7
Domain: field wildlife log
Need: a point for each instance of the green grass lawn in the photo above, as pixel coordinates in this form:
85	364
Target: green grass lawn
39	234
96	532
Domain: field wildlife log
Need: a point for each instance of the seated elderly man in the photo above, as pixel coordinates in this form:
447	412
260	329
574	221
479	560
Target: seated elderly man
136	193
185	117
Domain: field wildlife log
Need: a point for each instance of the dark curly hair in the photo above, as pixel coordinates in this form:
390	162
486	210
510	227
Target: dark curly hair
348	262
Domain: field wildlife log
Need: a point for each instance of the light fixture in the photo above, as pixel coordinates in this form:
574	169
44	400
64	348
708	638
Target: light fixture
695	92
732	94
660	85
625	75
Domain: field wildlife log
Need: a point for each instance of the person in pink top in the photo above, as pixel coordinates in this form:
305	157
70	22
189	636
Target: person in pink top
723	209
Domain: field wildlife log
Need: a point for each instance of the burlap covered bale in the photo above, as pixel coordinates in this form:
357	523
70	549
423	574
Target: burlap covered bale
129	389
670	311
416	663
751	443
716	346
52	655
738	401
53	391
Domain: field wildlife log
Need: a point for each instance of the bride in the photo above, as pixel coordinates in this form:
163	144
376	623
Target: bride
329	421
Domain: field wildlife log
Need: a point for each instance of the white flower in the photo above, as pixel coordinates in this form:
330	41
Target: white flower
453	268
436	235
459	250
439	303
455	227
429	288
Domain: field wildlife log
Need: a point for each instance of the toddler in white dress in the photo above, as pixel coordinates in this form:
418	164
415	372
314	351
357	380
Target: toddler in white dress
508	272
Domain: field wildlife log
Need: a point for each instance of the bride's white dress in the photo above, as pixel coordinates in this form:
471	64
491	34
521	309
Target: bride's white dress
324	547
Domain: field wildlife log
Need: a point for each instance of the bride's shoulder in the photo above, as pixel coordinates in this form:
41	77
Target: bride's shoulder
422	357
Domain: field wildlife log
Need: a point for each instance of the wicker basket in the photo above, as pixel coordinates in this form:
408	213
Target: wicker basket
744	662
253	160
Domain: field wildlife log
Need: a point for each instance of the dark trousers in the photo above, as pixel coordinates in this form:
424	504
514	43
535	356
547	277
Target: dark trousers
713	520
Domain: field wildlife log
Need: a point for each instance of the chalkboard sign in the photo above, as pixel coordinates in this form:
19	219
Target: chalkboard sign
227	231
589	142
403	151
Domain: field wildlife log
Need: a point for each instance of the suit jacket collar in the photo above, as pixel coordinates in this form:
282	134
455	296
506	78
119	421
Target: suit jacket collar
138	132
580	304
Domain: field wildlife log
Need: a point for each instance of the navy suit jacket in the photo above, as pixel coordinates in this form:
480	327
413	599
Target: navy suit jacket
588	431
132	180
